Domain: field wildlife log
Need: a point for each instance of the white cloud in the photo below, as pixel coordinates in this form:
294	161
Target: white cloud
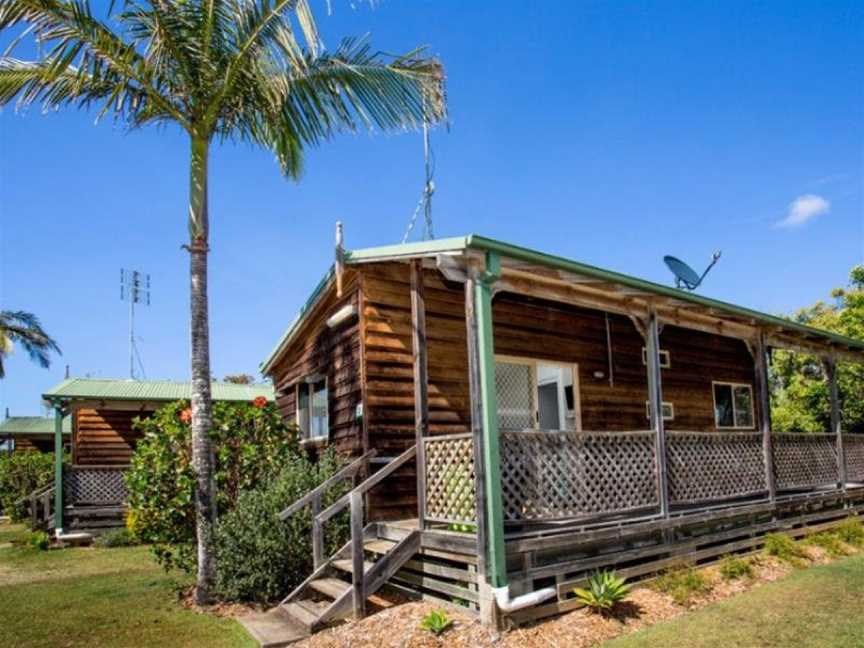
803	209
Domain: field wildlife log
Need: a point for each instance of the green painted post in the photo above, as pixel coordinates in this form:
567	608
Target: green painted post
491	452
58	468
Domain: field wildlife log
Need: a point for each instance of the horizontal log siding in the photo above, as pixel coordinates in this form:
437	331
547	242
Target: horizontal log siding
390	378
562	333
104	437
334	353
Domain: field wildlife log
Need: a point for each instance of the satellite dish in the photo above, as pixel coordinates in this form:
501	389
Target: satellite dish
686	277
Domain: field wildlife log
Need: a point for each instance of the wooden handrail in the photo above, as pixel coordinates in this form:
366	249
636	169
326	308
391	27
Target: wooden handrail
319	490
366	485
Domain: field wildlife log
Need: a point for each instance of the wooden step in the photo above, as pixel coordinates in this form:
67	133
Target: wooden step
300	615
347	565
316	608
380	547
332	587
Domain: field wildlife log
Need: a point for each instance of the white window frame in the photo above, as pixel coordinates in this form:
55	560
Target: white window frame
666	404
563	413
732	386
665	358
308	383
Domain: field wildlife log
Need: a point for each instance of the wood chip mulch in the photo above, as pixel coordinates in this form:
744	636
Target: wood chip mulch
397	624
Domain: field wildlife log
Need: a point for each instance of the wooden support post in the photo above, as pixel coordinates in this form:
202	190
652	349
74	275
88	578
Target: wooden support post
655	399
357	555
760	358
317	532
830	365
486	603
421	384
58	469
497	564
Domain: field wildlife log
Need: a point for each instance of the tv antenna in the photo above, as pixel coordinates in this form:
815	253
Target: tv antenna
425	202
134	288
686	278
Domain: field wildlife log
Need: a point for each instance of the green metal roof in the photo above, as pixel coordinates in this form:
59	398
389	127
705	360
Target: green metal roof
460	244
150	390
32	425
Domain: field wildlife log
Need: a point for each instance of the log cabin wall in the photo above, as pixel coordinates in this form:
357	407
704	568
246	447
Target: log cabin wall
388	359
334	353
523	327
104	436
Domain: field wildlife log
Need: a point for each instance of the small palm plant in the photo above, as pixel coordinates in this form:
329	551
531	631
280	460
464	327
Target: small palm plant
436	622
605	590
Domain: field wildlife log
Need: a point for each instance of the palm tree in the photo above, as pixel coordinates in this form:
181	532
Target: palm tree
250	70
23	328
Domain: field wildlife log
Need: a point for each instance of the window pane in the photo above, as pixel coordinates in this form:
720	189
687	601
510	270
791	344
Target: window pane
514	387
743	406
318	428
723	406
303	408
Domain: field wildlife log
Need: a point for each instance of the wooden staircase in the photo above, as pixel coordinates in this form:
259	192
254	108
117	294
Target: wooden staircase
330	594
339	585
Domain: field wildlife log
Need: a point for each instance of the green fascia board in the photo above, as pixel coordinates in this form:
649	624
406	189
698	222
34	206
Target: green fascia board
35	425
482	243
310	303
149	390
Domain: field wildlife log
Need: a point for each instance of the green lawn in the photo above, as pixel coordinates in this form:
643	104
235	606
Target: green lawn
98	597
813	608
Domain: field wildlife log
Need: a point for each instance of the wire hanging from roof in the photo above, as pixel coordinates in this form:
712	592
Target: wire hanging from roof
425	202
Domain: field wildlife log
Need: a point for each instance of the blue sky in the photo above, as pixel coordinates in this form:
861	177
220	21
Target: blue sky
609	132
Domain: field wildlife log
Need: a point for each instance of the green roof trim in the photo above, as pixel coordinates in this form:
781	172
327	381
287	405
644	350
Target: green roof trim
309	304
475	242
34	425
150	390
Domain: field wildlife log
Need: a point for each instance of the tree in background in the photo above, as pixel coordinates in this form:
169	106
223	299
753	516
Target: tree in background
239	379
253	71
800	400
24	329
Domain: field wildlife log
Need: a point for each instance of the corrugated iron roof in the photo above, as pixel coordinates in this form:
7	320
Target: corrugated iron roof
32	425
150	390
460	244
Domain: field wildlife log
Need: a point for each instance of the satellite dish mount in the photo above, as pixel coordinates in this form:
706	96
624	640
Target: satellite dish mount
686	278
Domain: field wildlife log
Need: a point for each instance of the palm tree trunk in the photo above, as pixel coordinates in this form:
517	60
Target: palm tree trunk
202	455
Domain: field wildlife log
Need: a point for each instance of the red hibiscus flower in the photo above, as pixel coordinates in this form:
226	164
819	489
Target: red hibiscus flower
260	402
186	415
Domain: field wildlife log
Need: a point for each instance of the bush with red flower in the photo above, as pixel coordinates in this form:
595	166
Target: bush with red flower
251	444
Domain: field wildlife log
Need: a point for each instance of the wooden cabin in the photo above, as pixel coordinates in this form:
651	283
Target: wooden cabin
525	419
31	434
101	414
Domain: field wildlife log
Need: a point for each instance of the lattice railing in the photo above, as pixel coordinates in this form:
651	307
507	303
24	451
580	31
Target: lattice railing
450	479
557	475
708	466
853	448
805	460
94	485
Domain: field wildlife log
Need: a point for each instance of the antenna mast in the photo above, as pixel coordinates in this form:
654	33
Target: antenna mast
134	288
428	189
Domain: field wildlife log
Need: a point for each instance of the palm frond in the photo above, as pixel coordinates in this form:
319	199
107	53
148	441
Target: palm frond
23	328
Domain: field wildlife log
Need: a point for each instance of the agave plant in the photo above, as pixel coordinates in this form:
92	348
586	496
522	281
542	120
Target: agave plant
605	590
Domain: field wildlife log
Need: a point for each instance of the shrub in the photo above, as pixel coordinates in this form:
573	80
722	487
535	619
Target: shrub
21	473
682	584
436	622
251	445
785	548
829	542
116	538
39	540
605	590
851	532
735	567
259	557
